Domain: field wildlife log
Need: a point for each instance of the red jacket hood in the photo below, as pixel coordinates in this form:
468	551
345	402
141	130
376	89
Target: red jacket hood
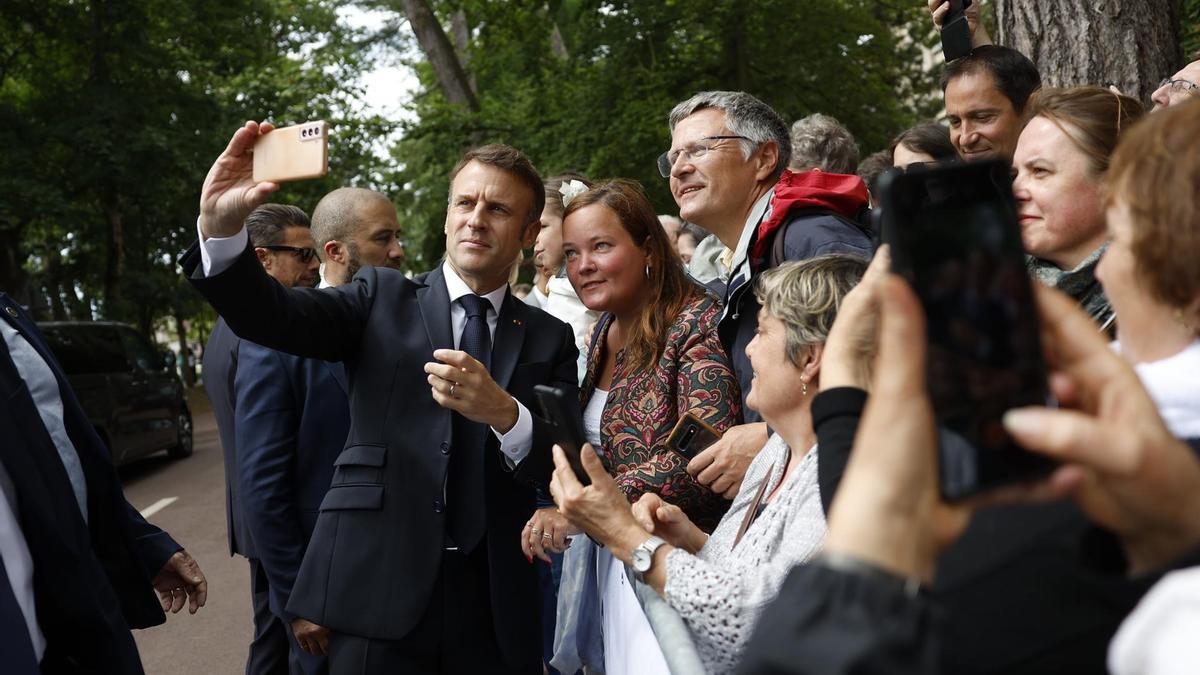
840	193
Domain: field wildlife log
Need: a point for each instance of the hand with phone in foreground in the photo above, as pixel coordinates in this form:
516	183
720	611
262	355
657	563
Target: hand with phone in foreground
1119	462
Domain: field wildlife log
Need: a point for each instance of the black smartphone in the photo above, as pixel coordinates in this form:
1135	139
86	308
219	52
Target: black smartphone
691	436
956	34
562	411
954	235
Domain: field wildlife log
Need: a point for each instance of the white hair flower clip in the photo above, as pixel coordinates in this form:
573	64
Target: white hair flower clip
570	189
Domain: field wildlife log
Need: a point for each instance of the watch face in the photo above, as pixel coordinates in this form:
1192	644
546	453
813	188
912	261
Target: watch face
641	559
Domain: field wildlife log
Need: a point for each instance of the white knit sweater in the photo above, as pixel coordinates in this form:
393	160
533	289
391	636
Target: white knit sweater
721	591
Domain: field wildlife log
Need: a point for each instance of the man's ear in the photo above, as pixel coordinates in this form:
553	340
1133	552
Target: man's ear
531	233
264	257
335	252
765	160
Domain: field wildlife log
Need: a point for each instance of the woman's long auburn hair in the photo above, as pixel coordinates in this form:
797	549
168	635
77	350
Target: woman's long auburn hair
668	287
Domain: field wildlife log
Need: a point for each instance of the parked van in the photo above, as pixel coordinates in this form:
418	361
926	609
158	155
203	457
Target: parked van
129	388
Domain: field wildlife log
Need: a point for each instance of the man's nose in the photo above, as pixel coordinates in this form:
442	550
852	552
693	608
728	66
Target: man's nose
682	165
1161	96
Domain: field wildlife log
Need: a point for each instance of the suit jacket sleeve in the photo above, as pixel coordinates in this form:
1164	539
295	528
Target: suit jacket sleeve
266	422
326	324
830	621
155	546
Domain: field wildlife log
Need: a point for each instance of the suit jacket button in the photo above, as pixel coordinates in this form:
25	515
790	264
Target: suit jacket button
445	448
438	506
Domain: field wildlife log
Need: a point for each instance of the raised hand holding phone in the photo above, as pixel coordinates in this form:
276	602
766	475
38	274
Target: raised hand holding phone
257	159
230	192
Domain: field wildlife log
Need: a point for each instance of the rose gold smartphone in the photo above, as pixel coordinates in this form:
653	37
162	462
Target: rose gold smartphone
292	153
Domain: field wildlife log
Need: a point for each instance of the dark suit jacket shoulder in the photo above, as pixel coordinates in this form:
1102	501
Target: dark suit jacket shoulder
91	581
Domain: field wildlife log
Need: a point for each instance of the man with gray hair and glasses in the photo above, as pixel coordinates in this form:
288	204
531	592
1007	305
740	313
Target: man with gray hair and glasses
728	150
1182	86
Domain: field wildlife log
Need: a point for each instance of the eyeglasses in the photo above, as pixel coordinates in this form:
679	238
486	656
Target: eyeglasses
1178	86
304	254
695	150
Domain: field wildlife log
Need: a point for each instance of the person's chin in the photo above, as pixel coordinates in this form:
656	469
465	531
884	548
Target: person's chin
751	399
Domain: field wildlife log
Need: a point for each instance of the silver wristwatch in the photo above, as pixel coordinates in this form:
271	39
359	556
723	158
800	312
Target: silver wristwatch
643	556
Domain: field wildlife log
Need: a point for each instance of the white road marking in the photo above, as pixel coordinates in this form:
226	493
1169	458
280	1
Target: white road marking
158	506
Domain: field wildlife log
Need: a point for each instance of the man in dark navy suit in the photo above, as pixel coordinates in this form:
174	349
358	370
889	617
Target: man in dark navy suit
78	564
286	419
415	564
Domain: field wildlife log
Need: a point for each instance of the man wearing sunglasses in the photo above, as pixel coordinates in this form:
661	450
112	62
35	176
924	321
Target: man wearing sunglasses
282	420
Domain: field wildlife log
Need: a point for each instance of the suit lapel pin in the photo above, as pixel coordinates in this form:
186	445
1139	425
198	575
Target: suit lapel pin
516	322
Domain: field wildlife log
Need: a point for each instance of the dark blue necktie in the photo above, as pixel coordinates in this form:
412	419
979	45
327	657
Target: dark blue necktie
467	511
16	648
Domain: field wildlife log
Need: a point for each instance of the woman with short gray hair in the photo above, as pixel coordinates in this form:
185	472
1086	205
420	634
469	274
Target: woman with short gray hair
719	584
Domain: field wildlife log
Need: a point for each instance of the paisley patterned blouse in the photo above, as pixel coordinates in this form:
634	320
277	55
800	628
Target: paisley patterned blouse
692	375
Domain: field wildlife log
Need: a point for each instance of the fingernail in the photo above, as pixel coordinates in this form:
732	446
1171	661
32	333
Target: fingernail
529	558
1023	421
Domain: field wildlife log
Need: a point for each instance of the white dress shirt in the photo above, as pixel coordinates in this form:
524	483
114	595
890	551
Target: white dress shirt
218	253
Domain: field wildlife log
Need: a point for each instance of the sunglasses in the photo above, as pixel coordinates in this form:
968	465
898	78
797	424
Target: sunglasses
304	254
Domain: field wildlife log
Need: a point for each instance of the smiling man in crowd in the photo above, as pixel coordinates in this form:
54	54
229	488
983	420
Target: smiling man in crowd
728	150
986	93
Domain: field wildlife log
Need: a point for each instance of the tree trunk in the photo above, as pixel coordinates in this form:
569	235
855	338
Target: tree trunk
460	27
1132	44
12	263
53	285
114	264
440	53
187	371
736	61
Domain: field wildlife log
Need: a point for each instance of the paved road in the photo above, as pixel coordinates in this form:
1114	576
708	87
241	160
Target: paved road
213	641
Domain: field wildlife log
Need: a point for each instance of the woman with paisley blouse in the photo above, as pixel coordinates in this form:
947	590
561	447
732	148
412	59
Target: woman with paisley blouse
653	355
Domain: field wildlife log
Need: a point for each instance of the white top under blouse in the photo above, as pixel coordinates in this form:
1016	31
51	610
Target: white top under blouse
721	591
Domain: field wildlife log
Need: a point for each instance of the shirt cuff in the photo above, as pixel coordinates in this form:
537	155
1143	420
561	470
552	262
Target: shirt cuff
519	440
218	253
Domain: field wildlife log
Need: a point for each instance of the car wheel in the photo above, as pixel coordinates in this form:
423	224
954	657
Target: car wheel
183	427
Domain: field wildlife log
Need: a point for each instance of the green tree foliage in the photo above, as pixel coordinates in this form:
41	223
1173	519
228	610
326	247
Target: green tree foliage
1191	29
598	100
111	112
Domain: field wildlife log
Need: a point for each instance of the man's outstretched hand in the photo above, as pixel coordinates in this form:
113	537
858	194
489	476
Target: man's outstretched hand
230	193
180	581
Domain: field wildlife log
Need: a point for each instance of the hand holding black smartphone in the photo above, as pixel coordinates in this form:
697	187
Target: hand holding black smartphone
956	32
562	411
954	235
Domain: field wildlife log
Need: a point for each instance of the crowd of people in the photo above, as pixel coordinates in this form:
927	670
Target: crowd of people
398	491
